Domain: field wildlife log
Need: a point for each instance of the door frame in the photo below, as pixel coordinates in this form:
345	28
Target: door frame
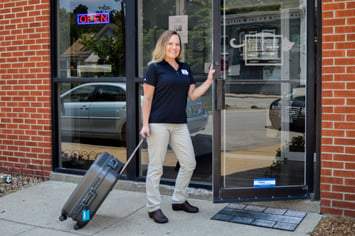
221	194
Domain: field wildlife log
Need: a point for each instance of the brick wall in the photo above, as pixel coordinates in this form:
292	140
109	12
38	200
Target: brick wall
338	108
25	106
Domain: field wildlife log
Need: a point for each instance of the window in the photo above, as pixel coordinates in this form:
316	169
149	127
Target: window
91	38
156	16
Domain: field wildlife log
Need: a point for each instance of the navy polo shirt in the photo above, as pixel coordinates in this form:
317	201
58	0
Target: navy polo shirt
170	93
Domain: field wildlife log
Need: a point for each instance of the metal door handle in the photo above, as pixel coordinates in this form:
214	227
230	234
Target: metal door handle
220	92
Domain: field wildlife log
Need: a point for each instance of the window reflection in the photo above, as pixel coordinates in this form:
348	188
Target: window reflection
92	120
263	42
263	137
91	116
294	103
153	20
263	64
91	38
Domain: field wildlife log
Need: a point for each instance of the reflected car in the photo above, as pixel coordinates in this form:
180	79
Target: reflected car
294	105
98	110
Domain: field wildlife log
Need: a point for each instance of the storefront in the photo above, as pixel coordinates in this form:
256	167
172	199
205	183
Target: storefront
253	132
278	122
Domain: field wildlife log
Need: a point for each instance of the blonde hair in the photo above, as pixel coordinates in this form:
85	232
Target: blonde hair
160	47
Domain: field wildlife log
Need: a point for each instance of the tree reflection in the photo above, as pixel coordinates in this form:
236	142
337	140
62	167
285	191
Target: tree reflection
92	50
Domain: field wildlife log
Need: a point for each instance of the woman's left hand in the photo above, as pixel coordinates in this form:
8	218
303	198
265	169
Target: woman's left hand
211	73
194	92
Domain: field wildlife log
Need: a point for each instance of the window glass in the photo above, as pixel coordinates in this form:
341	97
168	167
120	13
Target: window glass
79	95
263	41
91	38
92	120
156	16
110	94
263	58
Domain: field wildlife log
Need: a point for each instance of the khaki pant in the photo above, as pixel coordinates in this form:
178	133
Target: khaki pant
178	137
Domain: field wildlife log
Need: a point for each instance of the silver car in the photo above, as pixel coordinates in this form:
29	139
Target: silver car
98	110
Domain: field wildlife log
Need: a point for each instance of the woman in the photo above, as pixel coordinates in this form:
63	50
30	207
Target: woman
167	84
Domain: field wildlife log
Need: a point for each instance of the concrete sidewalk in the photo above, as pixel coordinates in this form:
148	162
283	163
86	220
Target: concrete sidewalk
35	211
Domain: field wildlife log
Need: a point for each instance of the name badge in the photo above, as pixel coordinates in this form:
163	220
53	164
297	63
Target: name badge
184	72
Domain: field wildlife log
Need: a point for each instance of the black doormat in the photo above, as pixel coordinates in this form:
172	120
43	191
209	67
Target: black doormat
274	218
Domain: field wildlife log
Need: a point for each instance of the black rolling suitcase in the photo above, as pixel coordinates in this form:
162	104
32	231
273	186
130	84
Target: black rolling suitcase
93	188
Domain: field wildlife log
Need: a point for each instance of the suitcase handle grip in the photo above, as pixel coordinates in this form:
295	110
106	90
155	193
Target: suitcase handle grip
89	197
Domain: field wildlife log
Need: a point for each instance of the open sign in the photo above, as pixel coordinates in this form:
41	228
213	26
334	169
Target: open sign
93	18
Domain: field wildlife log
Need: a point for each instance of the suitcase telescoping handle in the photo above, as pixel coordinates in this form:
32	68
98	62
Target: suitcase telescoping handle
131	156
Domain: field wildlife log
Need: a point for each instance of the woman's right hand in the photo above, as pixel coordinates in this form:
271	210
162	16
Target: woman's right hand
145	132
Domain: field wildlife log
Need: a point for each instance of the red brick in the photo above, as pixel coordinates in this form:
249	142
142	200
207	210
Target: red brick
344	157
333	6
327	14
332	164
346	110
344	29
345	141
333	53
326	124
350	150
349	182
350	69
332	195
332	180
325	187
344	61
332	148
328	61
345	45
334	38
350	166
330	210
349	213
326	45
324	202
343	204
333	69
333	133
326	172
333	101
345	13
328	30
344	173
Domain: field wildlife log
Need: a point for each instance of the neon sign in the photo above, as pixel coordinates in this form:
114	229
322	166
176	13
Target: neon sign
93	18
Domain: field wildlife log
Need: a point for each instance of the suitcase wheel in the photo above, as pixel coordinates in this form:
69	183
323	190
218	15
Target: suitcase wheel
62	217
79	225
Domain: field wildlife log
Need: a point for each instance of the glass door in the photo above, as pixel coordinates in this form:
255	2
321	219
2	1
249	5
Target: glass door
261	100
